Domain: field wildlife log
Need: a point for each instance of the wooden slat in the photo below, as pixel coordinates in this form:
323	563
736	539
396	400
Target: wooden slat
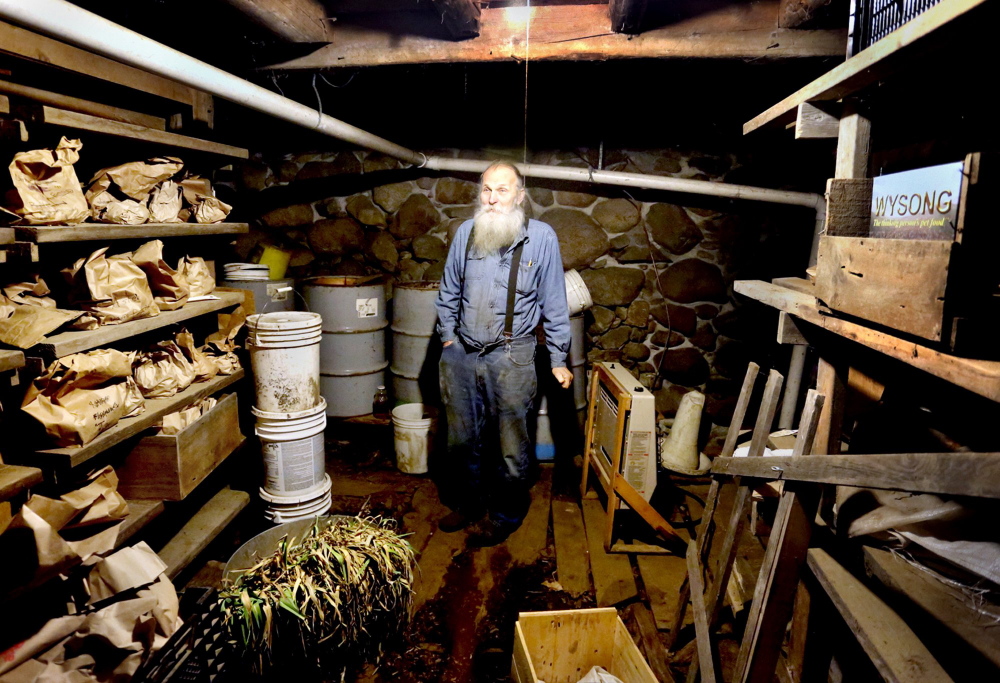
202	529
14	479
978	376
11	360
853	144
23	43
957	474
75	341
893	648
83	106
869	66
649	638
572	558
83	232
72	119
816	122
140	513
706	653
570	33
663	576
898	283
613	580
649	514
974	621
527	543
156	408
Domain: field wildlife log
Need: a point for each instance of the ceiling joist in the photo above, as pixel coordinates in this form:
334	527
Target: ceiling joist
295	21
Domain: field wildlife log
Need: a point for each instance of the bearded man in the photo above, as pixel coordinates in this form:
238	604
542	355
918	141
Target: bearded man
503	276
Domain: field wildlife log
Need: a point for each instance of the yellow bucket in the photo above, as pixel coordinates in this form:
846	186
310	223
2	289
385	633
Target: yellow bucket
276	260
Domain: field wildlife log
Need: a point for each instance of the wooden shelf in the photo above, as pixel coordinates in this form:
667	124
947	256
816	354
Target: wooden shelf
140	513
18	252
83	232
978	376
924	34
15	479
202	529
11	360
75	341
156	408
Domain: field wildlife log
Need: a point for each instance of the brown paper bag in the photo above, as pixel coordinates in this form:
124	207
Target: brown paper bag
198	275
165	203
177	422
33	292
169	286
47	189
211	210
25	325
125	212
136	179
221	346
125	569
81	395
113	289
204	367
163	371
204	205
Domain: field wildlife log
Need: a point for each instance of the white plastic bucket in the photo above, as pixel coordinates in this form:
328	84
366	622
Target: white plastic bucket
289	508
284	354
294	450
413	428
577	295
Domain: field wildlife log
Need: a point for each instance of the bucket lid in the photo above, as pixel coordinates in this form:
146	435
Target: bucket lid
296	496
267	415
284	320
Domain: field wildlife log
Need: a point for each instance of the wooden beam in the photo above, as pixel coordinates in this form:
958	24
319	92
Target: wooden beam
572	557
788	331
706	654
572	32
460	17
793	13
627	15
83	106
295	21
893	648
815	122
896	51
21	43
105	231
978	376
956	474
202	529
853	143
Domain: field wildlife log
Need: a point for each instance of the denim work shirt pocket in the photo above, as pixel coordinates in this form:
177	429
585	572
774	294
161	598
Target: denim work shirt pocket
521	354
475	267
525	278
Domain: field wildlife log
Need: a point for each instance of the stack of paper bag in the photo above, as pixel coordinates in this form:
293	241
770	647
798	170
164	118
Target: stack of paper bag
46	189
112	290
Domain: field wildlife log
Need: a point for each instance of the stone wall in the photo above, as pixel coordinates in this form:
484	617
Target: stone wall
352	213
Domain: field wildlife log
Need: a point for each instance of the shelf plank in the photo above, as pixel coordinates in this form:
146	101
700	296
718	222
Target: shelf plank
956	474
978	376
14	479
202	529
83	232
893	648
971	620
140	513
84	106
72	119
890	54
572	557
11	360
75	341
156	408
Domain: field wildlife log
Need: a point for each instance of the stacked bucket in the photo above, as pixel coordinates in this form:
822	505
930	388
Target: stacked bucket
291	414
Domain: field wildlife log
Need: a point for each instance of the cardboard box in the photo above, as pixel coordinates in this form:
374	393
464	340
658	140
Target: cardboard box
170	467
562	646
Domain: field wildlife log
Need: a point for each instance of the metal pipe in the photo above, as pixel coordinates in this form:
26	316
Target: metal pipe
790	401
73	24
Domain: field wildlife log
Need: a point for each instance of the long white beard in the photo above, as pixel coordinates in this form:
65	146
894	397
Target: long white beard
496	229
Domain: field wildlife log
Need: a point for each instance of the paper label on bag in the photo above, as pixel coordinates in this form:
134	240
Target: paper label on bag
367	308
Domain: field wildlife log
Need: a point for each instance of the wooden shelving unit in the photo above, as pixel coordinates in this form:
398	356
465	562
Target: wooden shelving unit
84	232
75	341
156	408
14	479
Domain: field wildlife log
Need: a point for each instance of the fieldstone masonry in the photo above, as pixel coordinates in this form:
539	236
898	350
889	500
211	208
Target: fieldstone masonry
675	318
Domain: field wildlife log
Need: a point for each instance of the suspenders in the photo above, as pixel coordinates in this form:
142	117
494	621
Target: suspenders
515	264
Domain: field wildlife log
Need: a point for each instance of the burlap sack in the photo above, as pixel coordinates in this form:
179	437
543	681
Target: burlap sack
46	189
162	371
112	289
81	395
198	275
170	288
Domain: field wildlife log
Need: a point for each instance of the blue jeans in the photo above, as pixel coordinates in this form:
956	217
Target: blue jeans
487	396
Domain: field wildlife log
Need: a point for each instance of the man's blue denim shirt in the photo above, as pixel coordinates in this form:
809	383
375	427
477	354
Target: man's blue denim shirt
541	293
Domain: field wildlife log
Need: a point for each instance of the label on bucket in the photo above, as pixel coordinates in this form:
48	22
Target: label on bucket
278	292
294	465
367	308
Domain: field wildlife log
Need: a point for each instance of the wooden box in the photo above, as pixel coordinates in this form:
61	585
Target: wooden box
170	467
562	646
942	290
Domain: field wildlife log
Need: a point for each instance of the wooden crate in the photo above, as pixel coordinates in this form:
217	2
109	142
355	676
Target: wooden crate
562	646
170	467
942	290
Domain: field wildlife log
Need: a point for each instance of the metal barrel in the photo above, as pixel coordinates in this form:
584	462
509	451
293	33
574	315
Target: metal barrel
270	293
352	351
415	350
578	361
